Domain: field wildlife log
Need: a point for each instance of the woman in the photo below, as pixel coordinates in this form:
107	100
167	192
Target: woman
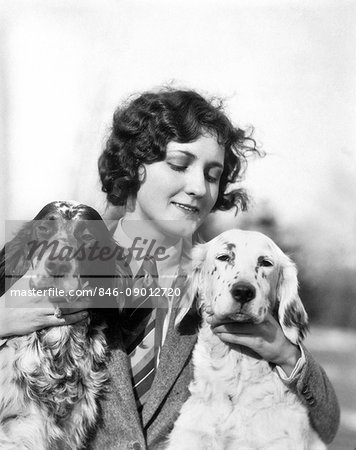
169	159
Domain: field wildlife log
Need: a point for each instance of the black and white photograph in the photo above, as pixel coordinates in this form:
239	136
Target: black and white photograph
178	225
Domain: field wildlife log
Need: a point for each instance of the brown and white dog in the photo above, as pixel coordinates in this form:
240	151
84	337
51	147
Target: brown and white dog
51	380
238	401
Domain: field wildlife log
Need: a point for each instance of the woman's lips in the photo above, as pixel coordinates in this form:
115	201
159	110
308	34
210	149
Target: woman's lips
185	207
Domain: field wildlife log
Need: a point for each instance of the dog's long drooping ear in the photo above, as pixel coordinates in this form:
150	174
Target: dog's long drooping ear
291	313
14	261
194	279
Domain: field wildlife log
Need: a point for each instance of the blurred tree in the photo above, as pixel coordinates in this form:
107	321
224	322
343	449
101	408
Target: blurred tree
328	239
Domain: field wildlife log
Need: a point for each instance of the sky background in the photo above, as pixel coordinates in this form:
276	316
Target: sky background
287	68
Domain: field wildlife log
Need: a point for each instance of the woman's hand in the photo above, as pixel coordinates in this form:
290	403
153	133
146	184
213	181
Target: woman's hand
20	321
265	338
23	314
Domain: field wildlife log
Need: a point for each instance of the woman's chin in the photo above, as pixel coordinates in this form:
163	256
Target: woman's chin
181	229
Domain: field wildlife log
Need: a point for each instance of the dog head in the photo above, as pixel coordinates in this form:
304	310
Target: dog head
243	275
64	247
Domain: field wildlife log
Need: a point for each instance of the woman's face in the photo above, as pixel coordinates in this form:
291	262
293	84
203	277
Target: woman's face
179	192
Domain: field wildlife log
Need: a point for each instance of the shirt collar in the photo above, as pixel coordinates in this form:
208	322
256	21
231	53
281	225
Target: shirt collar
168	266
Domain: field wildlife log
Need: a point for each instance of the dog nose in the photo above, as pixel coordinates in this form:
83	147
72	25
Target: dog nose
243	292
58	267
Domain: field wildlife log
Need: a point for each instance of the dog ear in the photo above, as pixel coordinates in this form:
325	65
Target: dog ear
291	313
190	296
14	261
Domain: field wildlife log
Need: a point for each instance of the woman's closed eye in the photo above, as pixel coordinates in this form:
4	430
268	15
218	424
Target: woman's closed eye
211	175
177	167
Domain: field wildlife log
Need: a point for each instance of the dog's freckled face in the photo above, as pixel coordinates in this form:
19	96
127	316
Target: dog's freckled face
242	276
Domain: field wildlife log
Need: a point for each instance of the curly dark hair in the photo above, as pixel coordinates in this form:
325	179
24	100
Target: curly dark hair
144	126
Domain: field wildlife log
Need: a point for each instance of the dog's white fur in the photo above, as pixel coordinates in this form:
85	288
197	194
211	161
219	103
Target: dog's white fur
238	401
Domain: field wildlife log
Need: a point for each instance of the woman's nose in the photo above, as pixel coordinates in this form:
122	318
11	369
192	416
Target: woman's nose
196	184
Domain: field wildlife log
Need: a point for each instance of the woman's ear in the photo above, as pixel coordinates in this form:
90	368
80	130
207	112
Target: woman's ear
291	313
194	281
141	173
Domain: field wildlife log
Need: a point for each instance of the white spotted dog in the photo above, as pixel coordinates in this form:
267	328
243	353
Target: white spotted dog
238	401
51	380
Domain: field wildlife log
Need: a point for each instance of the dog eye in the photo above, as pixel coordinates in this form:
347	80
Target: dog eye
43	228
266	263
86	237
223	257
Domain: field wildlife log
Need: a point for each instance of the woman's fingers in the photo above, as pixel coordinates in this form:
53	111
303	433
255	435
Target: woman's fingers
49	317
65	319
34	313
266	327
80	305
265	338
236	328
68	311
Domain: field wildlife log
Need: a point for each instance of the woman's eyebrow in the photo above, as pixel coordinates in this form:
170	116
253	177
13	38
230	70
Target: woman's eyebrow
192	156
